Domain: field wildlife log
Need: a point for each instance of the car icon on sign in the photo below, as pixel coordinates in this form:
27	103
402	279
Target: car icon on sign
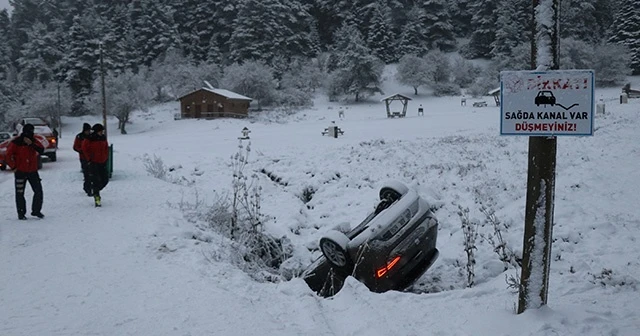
545	98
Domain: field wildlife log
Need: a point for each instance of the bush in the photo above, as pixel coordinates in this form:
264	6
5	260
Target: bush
446	89
464	72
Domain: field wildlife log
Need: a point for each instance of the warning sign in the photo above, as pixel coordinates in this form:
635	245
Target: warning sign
546	103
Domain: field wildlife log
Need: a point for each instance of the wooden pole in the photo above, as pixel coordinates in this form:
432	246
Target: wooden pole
540	183
104	96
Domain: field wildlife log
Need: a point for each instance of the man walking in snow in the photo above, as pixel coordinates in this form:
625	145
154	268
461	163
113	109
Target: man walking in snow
22	155
96	151
77	146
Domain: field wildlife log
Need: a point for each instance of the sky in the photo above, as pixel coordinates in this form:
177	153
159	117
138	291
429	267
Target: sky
149	262
5	4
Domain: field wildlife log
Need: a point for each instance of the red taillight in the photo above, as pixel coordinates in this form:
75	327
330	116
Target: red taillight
381	272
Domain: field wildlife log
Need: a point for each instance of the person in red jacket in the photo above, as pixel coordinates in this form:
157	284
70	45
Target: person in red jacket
96	151
77	146
22	155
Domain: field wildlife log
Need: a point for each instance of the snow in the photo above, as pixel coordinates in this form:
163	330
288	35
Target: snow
140	266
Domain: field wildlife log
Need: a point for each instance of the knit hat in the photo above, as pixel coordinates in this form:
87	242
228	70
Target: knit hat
86	127
98	128
28	129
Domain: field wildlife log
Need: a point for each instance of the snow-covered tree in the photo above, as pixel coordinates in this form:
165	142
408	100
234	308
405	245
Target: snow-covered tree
412	71
153	26
437	23
252	79
380	37
578	19
125	92
460	13
358	72
5	46
267	29
413	36
576	54
463	72
484	27
81	61
509	32
438	66
611	64
40	55
626	31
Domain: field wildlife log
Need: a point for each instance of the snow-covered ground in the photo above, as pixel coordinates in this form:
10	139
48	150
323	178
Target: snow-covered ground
137	266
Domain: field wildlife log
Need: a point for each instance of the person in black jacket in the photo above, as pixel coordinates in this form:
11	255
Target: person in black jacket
77	146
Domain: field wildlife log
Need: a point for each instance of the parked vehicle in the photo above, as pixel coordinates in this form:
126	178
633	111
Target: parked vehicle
392	247
5	136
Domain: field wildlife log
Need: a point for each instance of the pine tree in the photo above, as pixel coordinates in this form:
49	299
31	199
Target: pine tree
153	29
358	72
437	23
412	38
626	31
509	32
40	55
578	19
484	28
381	39
460	14
5	47
268	29
81	61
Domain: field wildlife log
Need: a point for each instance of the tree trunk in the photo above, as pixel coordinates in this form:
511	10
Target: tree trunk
415	90
123	123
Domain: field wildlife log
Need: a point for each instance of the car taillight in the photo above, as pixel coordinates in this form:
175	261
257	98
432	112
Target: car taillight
382	271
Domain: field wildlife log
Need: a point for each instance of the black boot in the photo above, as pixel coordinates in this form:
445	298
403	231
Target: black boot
37	214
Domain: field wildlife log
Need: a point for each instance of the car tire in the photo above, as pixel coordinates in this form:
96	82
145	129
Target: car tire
52	156
334	247
393	190
3	167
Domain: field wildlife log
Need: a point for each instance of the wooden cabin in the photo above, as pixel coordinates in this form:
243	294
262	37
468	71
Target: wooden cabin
209	103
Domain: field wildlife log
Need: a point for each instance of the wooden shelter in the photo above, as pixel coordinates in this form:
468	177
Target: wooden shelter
209	103
396	112
496	95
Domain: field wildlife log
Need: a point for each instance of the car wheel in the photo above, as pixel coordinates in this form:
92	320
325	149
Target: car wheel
334	247
3	167
53	157
393	190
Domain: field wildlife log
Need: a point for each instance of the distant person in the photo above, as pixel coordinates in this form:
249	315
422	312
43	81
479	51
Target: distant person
96	151
56	135
77	146
23	154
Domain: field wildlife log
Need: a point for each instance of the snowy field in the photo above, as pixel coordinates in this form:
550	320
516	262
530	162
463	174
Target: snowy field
139	266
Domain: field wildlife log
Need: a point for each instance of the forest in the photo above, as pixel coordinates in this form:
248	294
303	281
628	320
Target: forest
281	52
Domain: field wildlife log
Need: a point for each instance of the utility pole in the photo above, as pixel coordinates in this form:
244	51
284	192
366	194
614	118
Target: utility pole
104	96
541	170
59	117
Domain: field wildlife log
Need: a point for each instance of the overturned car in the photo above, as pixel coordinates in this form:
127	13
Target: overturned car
389	250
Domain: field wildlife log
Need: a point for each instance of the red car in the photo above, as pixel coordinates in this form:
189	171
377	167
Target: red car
5	144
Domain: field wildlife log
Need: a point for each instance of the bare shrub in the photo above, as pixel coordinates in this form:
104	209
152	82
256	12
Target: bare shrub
155	167
495	239
470	232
